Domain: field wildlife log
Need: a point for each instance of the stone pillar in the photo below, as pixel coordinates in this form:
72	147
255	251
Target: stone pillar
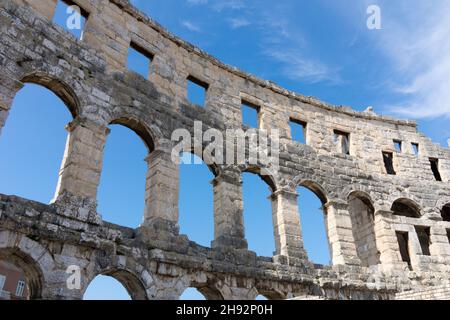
439	242
286	223
161	193
228	212
79	176
387	242
340	234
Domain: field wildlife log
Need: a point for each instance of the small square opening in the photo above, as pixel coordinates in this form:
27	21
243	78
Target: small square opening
139	60
71	17
415	148
298	130
342	141
403	243
435	168
424	238
398	146
197	91
388	159
250	114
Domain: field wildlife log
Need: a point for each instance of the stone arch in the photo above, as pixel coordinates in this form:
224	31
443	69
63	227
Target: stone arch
406	207
272	294
132	282
140	128
362	215
215	168
265	174
316	188
31	257
59	87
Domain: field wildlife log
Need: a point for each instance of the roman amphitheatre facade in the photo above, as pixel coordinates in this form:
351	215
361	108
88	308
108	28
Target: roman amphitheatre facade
387	211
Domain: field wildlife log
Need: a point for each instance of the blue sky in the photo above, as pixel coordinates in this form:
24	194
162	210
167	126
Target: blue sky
318	48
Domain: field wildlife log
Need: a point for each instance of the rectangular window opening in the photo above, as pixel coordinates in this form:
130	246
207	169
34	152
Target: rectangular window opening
424	238
71	17
403	243
448	235
435	168
342	141
197	91
415	147
20	288
139	60
388	158
2	282
398	146
298	130
250	114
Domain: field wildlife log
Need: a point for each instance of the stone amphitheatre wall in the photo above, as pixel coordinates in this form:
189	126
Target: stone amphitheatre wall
387	233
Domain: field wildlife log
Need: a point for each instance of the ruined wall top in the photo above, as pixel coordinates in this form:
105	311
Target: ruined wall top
126	6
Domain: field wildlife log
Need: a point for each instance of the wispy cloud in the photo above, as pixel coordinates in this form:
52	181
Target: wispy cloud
196	2
191	26
236	23
416	39
300	68
283	42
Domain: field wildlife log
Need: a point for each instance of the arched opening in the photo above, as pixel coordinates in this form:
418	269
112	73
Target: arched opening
405	208
121	196
20	277
115	285
362	214
259	229
192	294
314	224
196	202
106	288
33	141
269	295
445	212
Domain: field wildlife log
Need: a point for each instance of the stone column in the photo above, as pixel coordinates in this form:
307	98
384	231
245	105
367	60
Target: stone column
286	223
161	193
387	242
340	234
439	242
228	212
79	176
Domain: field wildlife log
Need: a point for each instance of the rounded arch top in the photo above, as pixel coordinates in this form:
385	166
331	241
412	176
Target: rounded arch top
363	196
265	174
132	283
141	129
406	207
60	88
316	188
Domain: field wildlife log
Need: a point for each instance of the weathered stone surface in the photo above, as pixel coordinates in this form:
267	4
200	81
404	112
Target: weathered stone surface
154	261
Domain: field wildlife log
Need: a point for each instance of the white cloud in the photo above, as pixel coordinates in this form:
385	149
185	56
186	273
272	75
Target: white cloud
236	23
284	42
191	26
299	68
220	5
416	39
196	2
